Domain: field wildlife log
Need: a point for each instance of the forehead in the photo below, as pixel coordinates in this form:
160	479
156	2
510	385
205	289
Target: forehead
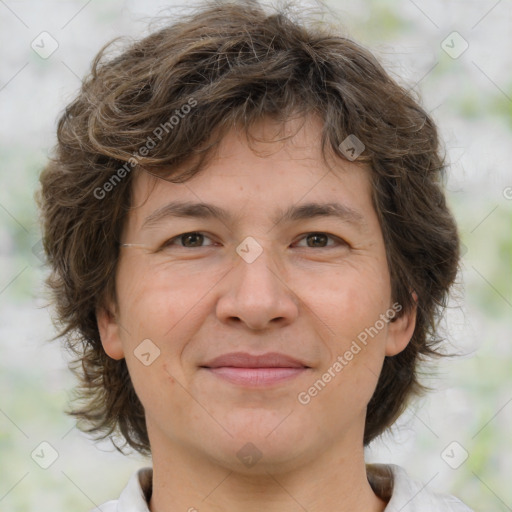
280	167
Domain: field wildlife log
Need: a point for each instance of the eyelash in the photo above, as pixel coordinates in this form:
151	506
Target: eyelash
170	242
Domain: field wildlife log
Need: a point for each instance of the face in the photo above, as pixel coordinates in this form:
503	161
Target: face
246	336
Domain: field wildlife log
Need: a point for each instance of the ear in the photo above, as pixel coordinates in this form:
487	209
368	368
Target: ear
109	331
401	329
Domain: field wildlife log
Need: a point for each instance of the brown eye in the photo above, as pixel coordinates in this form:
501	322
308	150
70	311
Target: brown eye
188	240
192	239
317	240
321	240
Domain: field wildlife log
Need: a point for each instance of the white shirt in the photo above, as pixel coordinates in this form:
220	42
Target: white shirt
388	481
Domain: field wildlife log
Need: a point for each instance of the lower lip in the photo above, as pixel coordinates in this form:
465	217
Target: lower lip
256	376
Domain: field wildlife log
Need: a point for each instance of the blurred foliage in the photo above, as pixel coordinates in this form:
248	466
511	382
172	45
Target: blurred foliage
34	386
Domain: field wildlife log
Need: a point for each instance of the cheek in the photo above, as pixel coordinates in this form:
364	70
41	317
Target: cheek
347	299
349	305
349	302
160	303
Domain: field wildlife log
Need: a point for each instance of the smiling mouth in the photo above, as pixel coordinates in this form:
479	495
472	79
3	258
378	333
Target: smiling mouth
255	370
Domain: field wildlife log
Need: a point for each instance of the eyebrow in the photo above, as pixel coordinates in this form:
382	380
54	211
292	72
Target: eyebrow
294	213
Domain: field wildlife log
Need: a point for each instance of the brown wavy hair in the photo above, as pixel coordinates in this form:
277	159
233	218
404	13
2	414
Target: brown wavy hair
235	62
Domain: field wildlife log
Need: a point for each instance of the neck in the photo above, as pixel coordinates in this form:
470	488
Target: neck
183	481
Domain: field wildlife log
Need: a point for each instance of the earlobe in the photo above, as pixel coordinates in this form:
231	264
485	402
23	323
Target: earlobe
401	329
109	333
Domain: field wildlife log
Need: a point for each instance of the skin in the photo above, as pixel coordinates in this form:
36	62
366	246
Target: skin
297	298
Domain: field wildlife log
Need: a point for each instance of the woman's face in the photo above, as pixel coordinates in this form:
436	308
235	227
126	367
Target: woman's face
268	269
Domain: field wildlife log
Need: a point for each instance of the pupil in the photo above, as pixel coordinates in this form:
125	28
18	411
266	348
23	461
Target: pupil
317	236
197	236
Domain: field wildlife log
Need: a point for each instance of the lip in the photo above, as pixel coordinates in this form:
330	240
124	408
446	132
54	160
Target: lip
249	370
245	360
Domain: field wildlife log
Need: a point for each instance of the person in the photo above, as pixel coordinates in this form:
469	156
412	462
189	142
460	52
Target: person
250	249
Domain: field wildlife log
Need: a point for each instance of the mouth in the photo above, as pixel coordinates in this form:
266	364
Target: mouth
255	370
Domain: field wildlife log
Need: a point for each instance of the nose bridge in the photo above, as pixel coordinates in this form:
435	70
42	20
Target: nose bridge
257	292
260	267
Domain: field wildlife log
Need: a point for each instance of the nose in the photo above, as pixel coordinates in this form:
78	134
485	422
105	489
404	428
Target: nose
257	295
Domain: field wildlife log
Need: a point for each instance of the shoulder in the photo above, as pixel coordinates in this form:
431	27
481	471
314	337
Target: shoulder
408	495
135	496
109	506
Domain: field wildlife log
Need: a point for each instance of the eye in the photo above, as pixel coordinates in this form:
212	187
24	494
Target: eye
195	239
320	240
188	240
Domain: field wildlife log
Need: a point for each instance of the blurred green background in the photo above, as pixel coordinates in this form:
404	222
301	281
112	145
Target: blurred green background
470	97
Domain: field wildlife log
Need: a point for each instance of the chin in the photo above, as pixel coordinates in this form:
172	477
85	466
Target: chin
260	423
260	443
258	457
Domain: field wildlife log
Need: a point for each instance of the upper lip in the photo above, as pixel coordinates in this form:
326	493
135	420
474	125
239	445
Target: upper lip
245	360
